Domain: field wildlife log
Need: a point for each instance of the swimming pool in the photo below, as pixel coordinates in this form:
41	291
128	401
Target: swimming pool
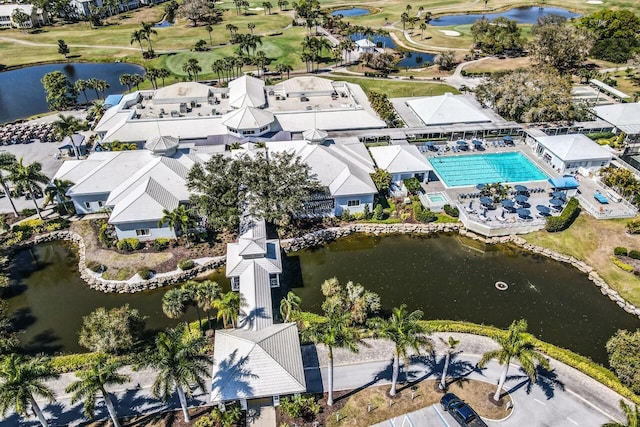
461	171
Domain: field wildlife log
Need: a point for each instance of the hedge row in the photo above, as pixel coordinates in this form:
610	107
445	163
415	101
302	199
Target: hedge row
623	265
566	218
581	363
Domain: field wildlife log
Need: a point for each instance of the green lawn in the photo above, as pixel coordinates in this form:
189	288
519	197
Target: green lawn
592	241
398	89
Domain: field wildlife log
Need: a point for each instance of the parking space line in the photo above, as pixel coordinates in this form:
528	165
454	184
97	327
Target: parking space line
435	408
573	421
542	403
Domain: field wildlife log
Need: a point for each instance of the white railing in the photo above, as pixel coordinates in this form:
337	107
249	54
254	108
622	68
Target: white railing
600	212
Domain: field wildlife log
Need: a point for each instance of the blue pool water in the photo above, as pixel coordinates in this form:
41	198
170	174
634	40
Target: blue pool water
461	171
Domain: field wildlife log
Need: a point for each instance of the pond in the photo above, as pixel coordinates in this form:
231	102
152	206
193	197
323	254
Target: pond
48	300
22	94
523	15
410	58
450	277
354	11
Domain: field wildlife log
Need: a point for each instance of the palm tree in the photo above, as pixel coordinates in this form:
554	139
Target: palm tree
57	191
632	415
174	304
125	79
514	345
152	75
192	67
97	109
451	345
7	163
209	29
206	293
406	332
163	73
423	26
136	79
228	308
27	179
136	37
148	31
289	305
21	379
67	126
181	218
81	86
180	361
336	332
251	26
102	372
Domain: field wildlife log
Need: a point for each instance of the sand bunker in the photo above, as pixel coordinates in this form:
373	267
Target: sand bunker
594	2
450	33
256	8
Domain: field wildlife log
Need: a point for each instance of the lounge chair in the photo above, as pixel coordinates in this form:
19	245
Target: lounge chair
469	208
601	198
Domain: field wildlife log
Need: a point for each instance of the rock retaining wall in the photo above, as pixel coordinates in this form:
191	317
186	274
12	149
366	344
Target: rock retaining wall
318	238
135	284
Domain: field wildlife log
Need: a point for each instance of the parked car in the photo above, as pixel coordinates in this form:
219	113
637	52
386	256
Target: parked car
461	411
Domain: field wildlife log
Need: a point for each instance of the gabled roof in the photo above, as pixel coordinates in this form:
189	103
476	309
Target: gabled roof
400	158
447	109
344	168
625	117
75	170
237	264
247	118
246	91
365	43
574	147
169	172
252	364
117	167
144	203
253	237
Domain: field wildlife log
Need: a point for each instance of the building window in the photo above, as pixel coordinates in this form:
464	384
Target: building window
248	132
235	284
143	232
351	203
100	203
273	280
87	205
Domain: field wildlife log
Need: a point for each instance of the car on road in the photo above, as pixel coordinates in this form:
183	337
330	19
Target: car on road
461	411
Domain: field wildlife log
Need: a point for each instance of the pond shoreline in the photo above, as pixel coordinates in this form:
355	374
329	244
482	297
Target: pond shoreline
314	239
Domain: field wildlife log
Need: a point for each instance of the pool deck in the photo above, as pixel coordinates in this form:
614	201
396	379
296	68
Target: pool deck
489	225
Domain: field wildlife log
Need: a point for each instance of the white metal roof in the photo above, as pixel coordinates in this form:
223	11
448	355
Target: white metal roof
365	43
8	9
339	119
253	237
574	147
447	109
400	158
342	166
251	364
314	135
625	117
181	127
161	143
246	91
144	203
247	118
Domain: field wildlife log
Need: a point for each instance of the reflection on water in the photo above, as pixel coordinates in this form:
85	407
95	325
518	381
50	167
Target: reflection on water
450	277
522	15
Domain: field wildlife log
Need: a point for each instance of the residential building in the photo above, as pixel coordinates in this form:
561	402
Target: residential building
569	153
402	162
623	117
37	17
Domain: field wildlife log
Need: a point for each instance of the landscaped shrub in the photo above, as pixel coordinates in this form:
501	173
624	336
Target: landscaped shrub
566	218
421	214
635	254
346	215
633	227
28	212
378	212
623	265
96	267
299	406
161	244
451	211
128	245
104	235
600	135
620	251
186	264
144	273
412	185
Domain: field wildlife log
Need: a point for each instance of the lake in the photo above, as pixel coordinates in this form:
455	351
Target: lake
410	58
446	276
22	94
523	15
354	11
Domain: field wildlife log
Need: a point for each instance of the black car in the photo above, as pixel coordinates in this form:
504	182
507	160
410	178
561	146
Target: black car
460	411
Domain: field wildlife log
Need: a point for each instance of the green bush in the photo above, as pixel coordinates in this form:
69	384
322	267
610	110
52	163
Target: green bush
412	185
422	215
620	251
186	264
299	406
161	244
104	236
28	212
145	273
623	265
346	215
378	212
566	218
600	135
635	254
633	227
452	211
128	245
